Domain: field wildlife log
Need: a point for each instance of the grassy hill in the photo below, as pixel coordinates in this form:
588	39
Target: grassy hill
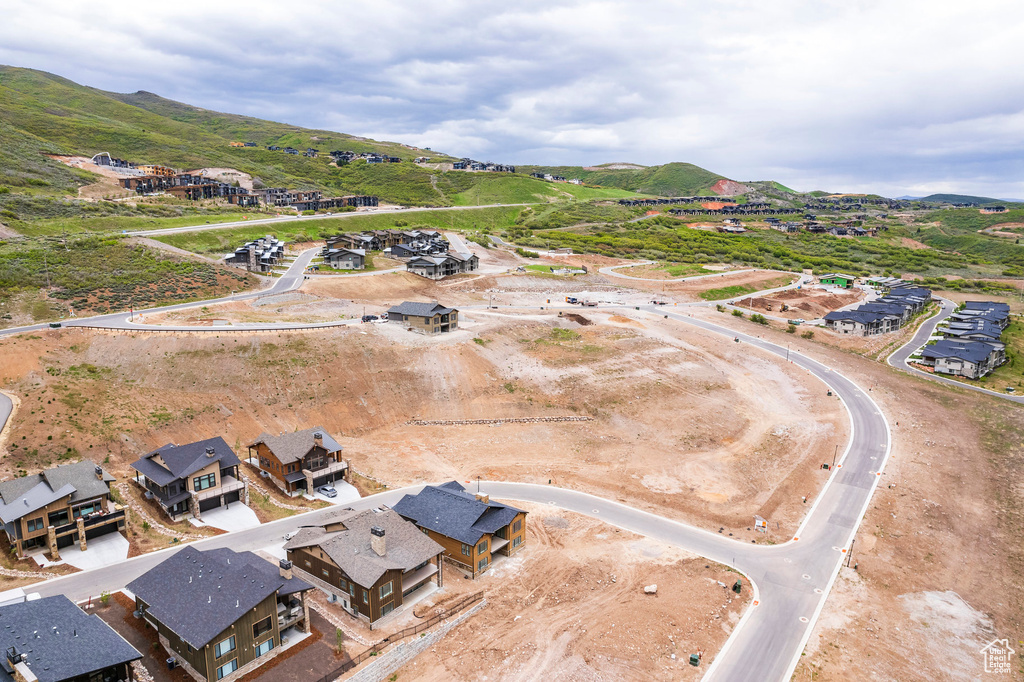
960	199
669	180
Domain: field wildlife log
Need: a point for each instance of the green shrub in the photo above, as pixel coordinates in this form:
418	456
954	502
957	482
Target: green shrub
808	334
527	254
759	318
791	329
736	312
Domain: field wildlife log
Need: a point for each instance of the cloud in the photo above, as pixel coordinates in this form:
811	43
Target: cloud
857	95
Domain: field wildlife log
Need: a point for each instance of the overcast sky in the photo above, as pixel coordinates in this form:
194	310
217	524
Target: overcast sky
891	97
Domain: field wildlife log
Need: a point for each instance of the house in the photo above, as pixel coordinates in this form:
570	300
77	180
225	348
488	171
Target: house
221	614
371	561
426	318
52	640
57	507
346	259
260	255
300	461
236	144
192	478
836	279
861	323
970	359
975	330
994	209
459	165
472	529
441	266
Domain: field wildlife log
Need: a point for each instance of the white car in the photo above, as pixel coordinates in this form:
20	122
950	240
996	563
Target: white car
289	536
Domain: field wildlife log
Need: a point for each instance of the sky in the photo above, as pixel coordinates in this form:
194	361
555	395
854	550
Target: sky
893	97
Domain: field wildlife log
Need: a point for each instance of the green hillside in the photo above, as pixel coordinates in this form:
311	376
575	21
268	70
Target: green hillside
669	180
960	199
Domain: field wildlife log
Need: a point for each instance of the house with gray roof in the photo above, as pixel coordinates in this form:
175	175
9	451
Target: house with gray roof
192	478
425	318
219	613
439	266
52	640
970	359
473	529
345	258
301	461
372	562
861	322
58	507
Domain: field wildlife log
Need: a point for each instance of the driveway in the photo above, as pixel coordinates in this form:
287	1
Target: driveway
235	517
346	493
102	551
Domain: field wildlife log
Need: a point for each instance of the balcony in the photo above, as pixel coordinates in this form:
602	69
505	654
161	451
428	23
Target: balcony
332	467
413	579
228	484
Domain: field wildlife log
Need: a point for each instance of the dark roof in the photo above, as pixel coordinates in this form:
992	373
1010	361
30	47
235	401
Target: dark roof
198	594
971	351
420	309
890	308
987	305
900	292
183	460
862	316
291	447
451	511
60	640
350	548
21	496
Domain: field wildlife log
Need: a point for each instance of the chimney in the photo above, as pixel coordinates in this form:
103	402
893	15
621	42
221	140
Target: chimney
99	473
286	569
377	540
483	497
318	439
209	452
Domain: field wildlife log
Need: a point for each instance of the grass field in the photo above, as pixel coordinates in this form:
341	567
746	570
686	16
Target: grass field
743	289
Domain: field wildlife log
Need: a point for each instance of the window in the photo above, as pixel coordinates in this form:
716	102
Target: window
86	509
482	564
467	550
308	565
204	482
261	628
325	572
228	668
58	518
425	531
385	590
352	589
366	597
386	609
342	584
516	541
482	548
225	647
517	526
265	647
35	524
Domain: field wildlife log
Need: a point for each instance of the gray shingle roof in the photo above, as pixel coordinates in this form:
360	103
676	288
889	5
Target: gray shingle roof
405	546
81	643
450	511
971	351
291	447
198	594
417	309
21	496
184	460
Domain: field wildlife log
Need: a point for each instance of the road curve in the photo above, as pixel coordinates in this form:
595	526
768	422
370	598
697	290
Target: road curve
899	357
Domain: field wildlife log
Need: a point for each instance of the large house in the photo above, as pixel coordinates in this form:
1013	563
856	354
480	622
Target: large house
472	529
371	561
346	259
862	322
221	614
57	507
443	265
260	255
300	461
192	478
970	359
837	279
426	318
52	640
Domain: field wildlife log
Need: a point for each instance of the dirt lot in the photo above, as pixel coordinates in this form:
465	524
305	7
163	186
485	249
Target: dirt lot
571	606
810	304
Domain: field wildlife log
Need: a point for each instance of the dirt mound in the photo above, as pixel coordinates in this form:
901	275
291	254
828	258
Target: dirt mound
713	205
728	188
578	319
810	303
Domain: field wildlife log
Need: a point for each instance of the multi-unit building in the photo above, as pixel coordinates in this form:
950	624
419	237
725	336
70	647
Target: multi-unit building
371	562
970	359
301	461
221	614
886	314
443	265
187	480
425	318
58	507
473	529
260	255
52	640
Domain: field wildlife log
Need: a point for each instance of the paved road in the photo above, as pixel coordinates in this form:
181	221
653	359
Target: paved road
284	220
899	357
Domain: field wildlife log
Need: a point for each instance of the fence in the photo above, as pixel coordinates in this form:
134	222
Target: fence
466	601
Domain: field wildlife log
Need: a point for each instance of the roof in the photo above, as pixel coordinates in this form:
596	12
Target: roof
971	351
837	274
21	496
862	316
900	292
451	511
420	309
292	447
198	595
350	548
183	460
60	640
987	305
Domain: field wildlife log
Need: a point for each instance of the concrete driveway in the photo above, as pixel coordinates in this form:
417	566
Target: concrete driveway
346	493
235	517
105	550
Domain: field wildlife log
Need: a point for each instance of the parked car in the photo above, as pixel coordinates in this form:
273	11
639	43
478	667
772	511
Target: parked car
55	325
796	321
327	491
369	318
289	536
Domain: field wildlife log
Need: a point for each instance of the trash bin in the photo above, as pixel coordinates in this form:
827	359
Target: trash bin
171	664
695	660
737	586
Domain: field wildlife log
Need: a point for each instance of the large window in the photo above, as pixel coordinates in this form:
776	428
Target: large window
228	668
386	609
516	541
87	508
482	548
385	590
34	525
261	628
225	647
517	526
482	564
58	518
265	647
366	597
204	482
467	550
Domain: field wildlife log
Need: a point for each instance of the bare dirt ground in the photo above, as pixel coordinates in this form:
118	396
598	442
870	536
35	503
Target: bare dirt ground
571	606
913	244
107	185
808	303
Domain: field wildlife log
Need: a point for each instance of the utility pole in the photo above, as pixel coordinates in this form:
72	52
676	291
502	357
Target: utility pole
836	454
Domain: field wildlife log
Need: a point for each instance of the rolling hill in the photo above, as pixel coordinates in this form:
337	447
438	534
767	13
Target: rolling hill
960	199
668	180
